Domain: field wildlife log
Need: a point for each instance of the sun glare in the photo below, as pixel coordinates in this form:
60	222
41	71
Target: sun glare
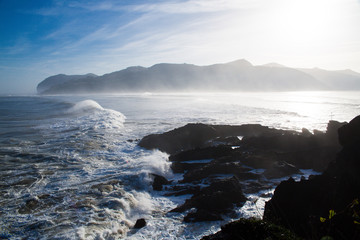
306	22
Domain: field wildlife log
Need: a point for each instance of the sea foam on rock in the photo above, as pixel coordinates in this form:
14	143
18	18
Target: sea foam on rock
220	163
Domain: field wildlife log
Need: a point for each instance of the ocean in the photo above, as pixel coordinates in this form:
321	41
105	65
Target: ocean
70	167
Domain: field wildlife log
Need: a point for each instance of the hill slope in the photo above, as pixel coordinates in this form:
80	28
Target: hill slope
239	75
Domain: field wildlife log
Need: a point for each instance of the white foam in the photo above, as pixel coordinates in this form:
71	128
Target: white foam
89	114
85	106
156	162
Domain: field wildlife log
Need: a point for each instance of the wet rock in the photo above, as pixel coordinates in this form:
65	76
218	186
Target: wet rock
281	169
158	182
180	167
349	133
202	153
140	223
229	141
260	158
251	187
217	199
216	168
253	229
188	137
286	142
192	136
202	215
183	190
299	205
317	159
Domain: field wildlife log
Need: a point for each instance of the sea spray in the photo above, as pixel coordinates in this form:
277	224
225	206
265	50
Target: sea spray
59	162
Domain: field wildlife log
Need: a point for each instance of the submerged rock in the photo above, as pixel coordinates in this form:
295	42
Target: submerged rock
30	206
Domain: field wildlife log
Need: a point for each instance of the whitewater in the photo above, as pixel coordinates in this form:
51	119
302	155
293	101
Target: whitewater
70	167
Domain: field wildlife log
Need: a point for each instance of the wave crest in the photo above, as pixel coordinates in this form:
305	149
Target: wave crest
85	106
89	114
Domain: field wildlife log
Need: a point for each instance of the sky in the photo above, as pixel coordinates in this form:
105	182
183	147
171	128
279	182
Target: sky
40	38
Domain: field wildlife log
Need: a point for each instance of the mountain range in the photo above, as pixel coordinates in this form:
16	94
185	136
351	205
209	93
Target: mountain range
239	75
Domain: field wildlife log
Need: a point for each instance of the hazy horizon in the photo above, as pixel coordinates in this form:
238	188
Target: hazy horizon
43	39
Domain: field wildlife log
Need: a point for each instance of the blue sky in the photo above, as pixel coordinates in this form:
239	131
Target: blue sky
40	38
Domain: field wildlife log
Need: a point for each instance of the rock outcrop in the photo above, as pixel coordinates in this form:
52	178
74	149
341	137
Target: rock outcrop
213	201
328	204
222	163
253	229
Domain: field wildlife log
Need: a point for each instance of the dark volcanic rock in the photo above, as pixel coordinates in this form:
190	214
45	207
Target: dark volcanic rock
202	215
181	167
207	153
281	169
252	229
158	182
218	198
183	190
349	133
140	223
216	168
202	153
299	205
188	137
192	136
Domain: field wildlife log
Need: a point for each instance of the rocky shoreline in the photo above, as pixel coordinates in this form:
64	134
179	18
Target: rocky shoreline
221	164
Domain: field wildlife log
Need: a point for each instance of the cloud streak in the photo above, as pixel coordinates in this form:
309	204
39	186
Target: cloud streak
76	37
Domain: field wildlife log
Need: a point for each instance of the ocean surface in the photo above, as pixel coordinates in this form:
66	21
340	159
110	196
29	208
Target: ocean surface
70	167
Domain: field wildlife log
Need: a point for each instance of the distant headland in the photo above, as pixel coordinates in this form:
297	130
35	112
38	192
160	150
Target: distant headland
239	75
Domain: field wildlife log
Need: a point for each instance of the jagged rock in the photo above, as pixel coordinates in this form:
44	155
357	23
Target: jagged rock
299	205
180	167
202	153
281	169
218	167
218	198
183	190
305	132
180	160
158	182
253	229
192	136
140	223
202	215
188	137
349	133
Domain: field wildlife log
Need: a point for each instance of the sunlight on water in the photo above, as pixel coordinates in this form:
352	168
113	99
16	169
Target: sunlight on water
71	167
